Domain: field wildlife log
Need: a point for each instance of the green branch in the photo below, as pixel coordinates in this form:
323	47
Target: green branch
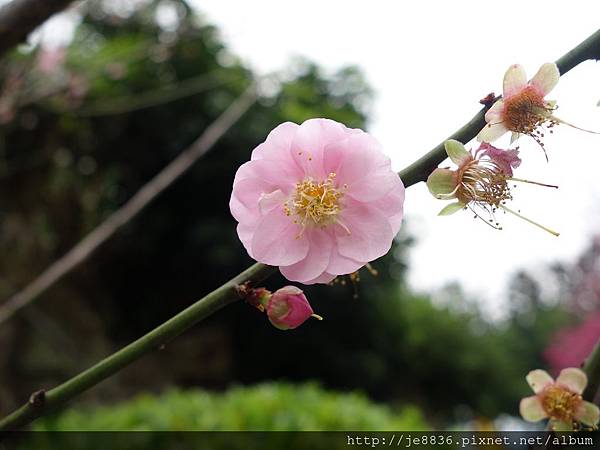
42	402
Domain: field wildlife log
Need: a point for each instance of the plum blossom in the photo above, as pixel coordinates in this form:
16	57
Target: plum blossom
480	182
523	109
559	400
318	200
287	308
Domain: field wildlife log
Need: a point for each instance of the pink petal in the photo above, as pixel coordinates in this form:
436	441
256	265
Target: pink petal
515	79
275	240
324	278
588	413
491	132
269	201
278	174
317	259
374	187
354	157
341	265
278	143
573	379
392	205
531	409
546	78
539	380
246	233
370	232
310	140
494	114
245	196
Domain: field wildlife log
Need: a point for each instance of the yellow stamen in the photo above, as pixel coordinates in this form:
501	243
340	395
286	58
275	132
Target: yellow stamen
316	316
315	203
560	403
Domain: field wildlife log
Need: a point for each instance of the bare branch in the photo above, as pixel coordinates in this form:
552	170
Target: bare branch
129	210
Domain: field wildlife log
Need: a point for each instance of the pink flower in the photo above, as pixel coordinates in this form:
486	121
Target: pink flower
479	183
288	308
570	346
559	400
51	59
523	109
318	200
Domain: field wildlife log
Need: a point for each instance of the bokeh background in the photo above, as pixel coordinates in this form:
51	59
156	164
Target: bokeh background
111	92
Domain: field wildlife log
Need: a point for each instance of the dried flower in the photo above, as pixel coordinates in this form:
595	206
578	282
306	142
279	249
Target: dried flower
480	182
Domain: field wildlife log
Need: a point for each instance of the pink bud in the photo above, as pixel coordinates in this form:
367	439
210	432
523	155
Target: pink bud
288	308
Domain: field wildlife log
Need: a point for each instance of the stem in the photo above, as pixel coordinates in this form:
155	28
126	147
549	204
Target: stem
203	308
592	368
418	171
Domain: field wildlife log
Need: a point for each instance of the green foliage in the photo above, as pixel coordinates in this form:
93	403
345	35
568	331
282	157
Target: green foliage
265	407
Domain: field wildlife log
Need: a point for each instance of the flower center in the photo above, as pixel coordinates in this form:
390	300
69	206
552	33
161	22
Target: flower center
316	203
560	403
484	183
526	111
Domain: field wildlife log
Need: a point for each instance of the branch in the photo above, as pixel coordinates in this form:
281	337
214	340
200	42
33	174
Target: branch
20	17
129	210
41	402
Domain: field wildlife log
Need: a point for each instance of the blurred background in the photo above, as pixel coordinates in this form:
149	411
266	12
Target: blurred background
110	92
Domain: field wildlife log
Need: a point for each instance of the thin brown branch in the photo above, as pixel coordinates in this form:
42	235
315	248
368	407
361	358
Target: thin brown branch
132	208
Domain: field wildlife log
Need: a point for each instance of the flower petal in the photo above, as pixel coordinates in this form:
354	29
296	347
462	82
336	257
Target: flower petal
546	78
316	260
574	379
531	409
451	208
370	232
392	205
309	142
559	425
341	265
278	142
588	414
324	278
538	380
491	132
441	183
494	114
515	78
275	240
457	152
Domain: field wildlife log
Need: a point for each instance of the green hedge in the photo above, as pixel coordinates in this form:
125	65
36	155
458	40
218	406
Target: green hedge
267	407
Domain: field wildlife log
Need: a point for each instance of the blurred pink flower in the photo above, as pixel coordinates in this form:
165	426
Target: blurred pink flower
288	308
318	200
51	59
571	346
523	109
559	400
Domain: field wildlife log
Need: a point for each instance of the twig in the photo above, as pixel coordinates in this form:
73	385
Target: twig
129	210
20	17
228	293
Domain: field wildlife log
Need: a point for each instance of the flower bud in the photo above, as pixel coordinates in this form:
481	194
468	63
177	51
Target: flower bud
288	308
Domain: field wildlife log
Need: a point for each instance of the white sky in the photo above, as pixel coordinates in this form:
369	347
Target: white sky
429	63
